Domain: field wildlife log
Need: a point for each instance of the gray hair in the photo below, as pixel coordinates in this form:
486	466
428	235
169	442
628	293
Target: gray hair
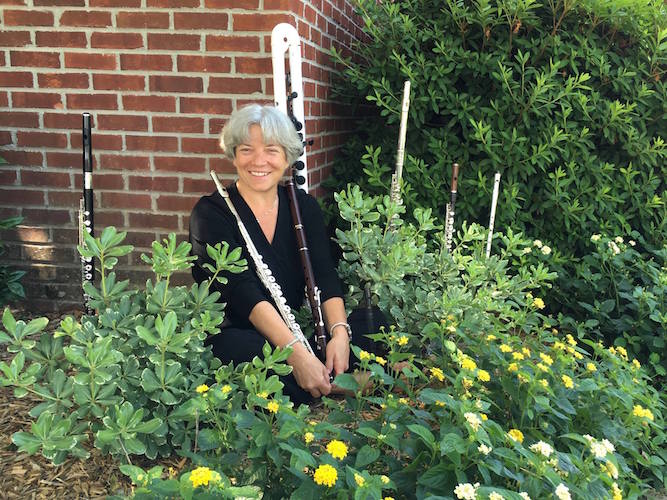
276	129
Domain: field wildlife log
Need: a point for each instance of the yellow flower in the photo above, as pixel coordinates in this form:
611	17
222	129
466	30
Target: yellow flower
518	356
364	355
505	348
617	494
140	477
273	407
595	237
484	417
515	435
612	350
263	395
636	364
359	479
483	375
437	373
567	382
621	350
308	437
513	367
467	383
202	388
546	358
570	340
525	351
591	367
380	360
544	383
495	495
439	403
491	337
226	388
201	476
578	355
388	498
402	340
559	345
451	329
639	411
325	475
337	449
538	303
467	363
610	469
404	401
384	479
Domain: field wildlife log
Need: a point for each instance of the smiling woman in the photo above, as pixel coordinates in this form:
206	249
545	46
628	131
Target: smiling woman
262	143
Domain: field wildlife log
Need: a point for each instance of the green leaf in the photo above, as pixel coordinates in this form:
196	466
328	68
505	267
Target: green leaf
365	456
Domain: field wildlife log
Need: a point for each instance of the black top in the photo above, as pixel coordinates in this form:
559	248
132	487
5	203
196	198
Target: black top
211	222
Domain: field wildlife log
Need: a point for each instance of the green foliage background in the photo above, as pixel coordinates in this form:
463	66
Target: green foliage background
565	98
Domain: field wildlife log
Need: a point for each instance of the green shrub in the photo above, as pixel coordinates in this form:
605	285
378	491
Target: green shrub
10	279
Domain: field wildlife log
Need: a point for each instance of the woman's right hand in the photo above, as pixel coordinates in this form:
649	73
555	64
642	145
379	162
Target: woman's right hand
309	372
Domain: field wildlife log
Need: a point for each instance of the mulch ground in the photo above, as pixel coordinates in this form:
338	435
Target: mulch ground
33	477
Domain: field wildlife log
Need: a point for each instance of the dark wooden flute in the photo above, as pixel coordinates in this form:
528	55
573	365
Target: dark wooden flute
312	291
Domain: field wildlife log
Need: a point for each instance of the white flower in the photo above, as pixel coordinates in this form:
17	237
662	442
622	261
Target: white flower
466	491
537	243
618	239
485	450
632	243
589	438
595	237
546	250
496	496
608	446
598	449
542	448
473	420
562	492
526	250
524	495
614	247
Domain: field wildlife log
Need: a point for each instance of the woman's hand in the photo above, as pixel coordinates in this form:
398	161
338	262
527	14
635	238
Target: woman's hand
309	372
338	352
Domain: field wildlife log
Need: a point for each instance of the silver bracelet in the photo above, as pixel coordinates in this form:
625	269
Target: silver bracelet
291	343
341	323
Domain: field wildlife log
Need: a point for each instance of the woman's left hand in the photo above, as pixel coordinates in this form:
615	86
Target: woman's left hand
338	353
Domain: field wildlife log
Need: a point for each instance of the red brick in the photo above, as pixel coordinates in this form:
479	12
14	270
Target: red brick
229	85
100	141
64	160
118	162
291	5
15	79
48	216
122	122
100	40
36	100
64	198
14	38
61	3
232	4
145	62
89	18
168	184
90	61
105	218
172	4
221	165
41	139
151	143
61	39
232	43
21	197
92	101
200	145
103	181
63	80
63	120
252	65
259	22
210	106
151	221
115	3
5	139
28	18
13	2
165	41
19	119
47	179
240	103
204	64
2	63
186	84
140	240
7	177
144	20
179	164
200	21
149	103
35	59
197	185
126	200
119	82
173	203
178	124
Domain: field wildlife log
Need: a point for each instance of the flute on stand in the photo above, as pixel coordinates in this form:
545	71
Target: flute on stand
86	210
492	217
449	217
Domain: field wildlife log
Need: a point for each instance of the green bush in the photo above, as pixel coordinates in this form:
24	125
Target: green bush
10	279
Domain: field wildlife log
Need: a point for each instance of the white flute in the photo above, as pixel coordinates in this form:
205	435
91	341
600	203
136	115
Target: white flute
395	191
492	217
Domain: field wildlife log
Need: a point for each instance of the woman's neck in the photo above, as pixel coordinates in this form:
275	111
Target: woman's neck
258	200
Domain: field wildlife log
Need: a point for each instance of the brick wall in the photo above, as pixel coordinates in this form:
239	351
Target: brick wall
159	77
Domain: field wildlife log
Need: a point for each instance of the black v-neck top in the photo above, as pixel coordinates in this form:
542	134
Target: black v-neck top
211	222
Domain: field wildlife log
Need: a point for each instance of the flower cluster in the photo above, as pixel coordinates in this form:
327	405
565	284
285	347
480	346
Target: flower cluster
201	476
542	448
337	449
466	491
325	475
641	412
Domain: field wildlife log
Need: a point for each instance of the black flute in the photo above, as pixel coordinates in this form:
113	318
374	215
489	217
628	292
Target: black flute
86	216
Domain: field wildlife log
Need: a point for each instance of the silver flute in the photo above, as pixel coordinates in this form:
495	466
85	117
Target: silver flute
264	273
449	217
395	191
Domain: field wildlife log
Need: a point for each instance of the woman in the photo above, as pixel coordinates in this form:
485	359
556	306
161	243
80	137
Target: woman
262	143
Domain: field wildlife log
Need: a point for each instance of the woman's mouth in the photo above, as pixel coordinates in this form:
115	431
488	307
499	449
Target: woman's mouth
259	174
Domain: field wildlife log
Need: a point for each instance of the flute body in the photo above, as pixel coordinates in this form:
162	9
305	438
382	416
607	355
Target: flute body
86	209
449	227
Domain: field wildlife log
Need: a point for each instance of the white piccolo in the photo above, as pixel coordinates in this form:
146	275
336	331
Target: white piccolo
492	217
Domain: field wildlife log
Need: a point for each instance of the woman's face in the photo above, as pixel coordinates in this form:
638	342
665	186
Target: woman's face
260	166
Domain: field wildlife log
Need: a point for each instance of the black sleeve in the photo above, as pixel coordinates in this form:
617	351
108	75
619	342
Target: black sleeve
211	222
319	246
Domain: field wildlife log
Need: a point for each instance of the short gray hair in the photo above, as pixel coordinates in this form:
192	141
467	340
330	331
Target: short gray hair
276	127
